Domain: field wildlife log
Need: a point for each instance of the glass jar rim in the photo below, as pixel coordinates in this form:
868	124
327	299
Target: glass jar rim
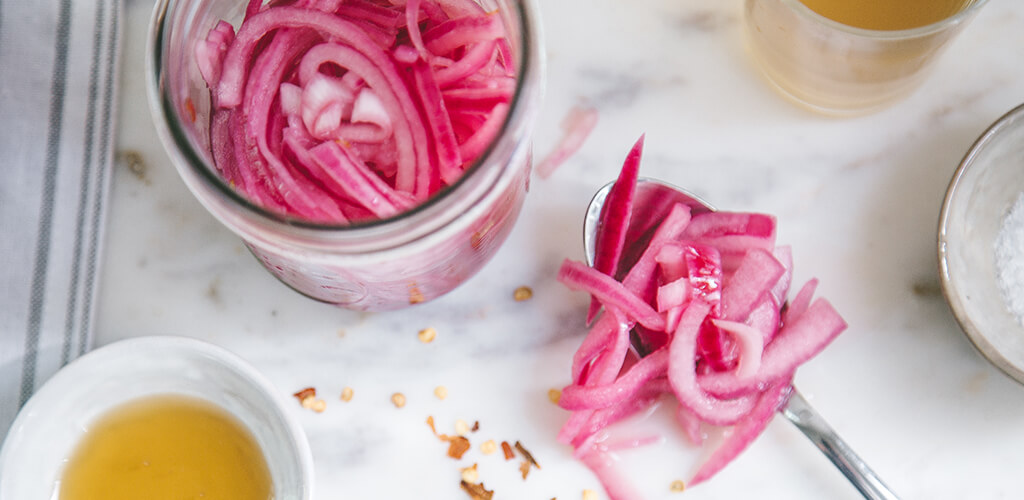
529	69
959	17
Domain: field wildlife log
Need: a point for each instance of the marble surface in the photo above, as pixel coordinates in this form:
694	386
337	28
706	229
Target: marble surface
857	198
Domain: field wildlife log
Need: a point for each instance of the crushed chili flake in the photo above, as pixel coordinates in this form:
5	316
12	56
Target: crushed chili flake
522	293
526	454
442	437
476	426
524	468
470	474
458	446
528	460
190	109
415	295
677	486
303	395
554	395
307	398
507	449
477	491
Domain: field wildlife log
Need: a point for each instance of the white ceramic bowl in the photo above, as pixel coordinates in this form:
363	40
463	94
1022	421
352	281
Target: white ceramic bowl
53	421
984	188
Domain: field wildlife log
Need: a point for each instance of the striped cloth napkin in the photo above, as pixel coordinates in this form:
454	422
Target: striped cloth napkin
59	64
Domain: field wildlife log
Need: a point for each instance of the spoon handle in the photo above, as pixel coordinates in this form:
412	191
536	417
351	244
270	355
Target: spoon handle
821	434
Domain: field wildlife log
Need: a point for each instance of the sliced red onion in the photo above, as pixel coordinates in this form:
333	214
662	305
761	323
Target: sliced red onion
626	386
576	128
757	273
475	145
460	32
210	52
614	219
325	101
751	346
800	302
683	377
727	347
744	432
611	293
794	344
472	62
436	98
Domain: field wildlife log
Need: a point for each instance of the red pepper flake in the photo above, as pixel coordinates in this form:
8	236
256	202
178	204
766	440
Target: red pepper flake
507	449
524	468
476	491
529	461
442	437
190	109
478	238
305	394
307	398
526	454
458	446
476	426
470	474
415	295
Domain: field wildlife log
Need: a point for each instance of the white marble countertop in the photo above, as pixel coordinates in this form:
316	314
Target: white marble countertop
858	200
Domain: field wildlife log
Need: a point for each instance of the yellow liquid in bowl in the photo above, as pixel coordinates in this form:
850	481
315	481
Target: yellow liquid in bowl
886	14
167	447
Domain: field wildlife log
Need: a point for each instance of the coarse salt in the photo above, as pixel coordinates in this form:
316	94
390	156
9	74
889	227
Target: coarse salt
1009	250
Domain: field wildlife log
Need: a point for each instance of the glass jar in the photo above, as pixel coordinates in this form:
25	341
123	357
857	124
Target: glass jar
842	70
415	256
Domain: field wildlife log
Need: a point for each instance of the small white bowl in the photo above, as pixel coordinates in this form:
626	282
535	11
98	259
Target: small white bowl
982	191
51	424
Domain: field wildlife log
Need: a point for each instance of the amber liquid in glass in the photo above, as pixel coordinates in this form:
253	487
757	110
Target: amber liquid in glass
167	447
886	15
866	56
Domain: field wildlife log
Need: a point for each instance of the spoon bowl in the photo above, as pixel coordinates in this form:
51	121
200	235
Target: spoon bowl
652	201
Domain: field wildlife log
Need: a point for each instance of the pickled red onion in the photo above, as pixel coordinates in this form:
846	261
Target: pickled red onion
727	343
338	111
576	127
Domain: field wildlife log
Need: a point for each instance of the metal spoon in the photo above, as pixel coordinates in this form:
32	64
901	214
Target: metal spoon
652	201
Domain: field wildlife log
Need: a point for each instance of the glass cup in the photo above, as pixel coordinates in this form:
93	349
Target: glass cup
406	259
839	69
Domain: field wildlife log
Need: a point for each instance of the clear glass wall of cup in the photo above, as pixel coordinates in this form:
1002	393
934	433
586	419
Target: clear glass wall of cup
840	69
410	258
